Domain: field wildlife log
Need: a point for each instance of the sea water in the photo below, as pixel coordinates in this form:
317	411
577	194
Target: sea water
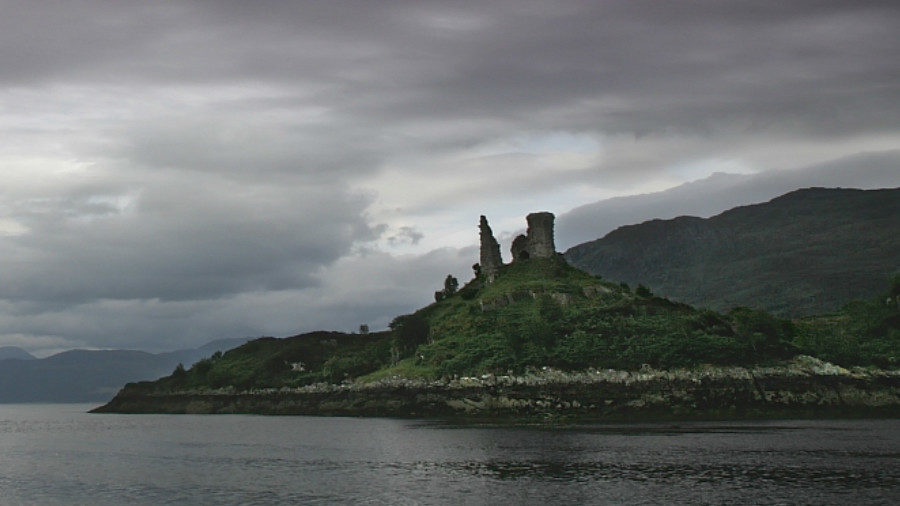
59	454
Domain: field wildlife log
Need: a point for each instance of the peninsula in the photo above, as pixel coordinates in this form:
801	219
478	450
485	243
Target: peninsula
540	339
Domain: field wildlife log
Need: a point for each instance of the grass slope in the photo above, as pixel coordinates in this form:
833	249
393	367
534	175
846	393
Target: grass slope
543	312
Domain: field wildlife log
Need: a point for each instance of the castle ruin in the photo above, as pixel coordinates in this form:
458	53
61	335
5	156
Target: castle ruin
536	243
490	251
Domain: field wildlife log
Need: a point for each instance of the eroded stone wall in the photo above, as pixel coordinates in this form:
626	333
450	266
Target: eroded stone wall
537	243
540	235
490	251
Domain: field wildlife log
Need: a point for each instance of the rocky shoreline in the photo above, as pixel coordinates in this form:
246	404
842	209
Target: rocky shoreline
804	387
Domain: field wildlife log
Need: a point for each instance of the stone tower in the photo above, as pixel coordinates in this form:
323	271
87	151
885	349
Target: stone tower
538	241
540	235
490	251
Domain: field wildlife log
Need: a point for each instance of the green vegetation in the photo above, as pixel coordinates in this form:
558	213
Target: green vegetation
863	332
805	253
293	361
543	312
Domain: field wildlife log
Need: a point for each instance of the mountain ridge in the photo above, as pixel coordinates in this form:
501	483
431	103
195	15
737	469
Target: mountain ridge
722	191
92	375
14	353
802	253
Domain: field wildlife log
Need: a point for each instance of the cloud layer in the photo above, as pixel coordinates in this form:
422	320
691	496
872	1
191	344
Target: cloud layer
173	172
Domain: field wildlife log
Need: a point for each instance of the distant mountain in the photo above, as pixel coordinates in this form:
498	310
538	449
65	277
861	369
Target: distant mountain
92	375
189	356
803	253
13	352
719	192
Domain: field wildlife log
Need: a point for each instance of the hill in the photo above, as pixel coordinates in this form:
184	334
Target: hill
720	192
540	337
537	313
804	253
91	375
14	353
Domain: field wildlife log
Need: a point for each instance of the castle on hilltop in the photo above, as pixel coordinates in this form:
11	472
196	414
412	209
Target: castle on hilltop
536	243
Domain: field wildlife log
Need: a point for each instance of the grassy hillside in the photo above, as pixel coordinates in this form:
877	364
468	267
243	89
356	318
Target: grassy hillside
804	253
294	361
539	312
547	313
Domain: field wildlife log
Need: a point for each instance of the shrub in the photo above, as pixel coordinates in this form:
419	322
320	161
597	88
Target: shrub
409	331
643	291
202	367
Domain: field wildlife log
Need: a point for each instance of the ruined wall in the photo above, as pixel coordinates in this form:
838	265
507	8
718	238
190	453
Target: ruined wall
519	248
490	251
538	243
540	235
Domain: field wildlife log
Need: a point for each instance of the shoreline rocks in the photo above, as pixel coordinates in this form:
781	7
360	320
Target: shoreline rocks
805	387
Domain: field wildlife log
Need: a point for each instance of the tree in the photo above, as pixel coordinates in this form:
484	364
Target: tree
364	329
409	332
895	286
179	375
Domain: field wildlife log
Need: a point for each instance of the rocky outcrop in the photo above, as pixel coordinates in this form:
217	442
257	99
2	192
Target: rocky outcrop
805	387
490	251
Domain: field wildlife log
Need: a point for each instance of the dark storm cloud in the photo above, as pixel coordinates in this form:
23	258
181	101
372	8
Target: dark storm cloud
210	169
616	66
184	242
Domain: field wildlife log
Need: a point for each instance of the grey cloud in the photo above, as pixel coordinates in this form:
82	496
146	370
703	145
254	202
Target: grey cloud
192	238
719	192
368	289
619	66
219	162
406	235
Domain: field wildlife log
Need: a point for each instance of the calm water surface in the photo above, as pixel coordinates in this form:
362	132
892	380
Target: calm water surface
58	454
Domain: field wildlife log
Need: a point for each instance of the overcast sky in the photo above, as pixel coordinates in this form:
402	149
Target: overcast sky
175	172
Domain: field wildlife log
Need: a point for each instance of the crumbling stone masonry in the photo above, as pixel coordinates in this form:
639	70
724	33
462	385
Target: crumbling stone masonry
537	243
519	248
490	251
540	235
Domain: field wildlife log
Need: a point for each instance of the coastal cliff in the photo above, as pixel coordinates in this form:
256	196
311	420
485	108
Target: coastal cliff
804	387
